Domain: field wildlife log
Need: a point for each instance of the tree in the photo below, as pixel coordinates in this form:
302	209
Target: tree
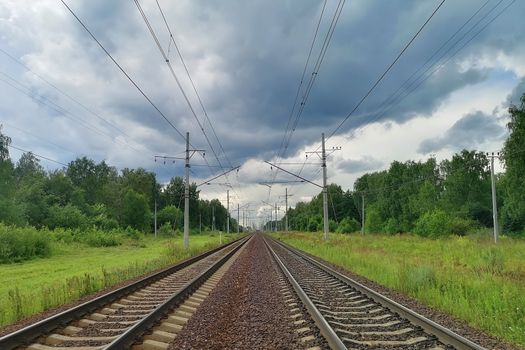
5	141
28	168
466	185
513	211
135	211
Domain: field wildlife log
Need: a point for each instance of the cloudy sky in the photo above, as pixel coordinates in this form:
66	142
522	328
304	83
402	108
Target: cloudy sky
62	97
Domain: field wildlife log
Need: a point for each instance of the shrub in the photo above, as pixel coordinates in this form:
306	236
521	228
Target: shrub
348	226
373	221
67	216
170	214
18	244
437	223
391	226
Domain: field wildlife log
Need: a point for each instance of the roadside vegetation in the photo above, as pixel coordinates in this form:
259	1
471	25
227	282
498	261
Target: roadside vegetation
467	277
75	264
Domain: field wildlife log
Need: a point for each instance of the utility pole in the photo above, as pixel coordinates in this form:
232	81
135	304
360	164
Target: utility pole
187	195
200	222
494	201
275	225
228	211
362	213
325	191
324	187
213	218
286	210
238	222
155	220
189	154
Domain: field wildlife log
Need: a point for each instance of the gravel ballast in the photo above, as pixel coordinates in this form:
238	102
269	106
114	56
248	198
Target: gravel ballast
247	309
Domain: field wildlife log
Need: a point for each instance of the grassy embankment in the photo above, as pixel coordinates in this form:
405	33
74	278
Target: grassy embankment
73	270
476	281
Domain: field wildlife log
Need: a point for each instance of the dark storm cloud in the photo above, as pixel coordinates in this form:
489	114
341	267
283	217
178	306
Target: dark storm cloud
246	59
354	166
471	130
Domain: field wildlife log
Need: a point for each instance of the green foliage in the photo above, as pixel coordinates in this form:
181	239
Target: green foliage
513	211
314	222
67	216
135	211
348	226
373	221
438	223
18	244
170	215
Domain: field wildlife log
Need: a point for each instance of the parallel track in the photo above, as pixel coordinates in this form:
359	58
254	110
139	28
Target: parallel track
117	319
352	316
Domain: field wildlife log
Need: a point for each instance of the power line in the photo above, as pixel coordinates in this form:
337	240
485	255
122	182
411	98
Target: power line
57	108
172	39
17	61
163	53
437	68
381	77
387	70
37	155
324	47
123	71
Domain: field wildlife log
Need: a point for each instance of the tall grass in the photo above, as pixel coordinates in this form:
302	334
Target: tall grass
472	279
77	270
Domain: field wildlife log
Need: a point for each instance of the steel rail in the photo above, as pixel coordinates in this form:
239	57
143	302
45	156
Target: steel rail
326	330
128	338
28	334
444	335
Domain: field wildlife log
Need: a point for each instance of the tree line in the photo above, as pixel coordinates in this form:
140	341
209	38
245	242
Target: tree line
90	194
430	198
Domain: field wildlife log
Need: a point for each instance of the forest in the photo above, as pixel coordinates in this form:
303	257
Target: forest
88	194
430	198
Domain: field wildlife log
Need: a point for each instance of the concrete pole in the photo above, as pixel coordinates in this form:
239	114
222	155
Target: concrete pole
362	213
228	211
238	222
325	191
187	195
494	202
155	220
275	226
213	218
286	210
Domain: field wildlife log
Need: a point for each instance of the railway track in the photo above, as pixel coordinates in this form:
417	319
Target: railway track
144	315
352	316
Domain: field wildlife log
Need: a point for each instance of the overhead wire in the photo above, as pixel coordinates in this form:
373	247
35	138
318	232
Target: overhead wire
123	71
37	155
174	75
324	47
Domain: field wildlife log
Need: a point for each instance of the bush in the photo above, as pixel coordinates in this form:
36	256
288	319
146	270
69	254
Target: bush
437	223
373	221
170	214
348	226
67	216
19	244
391	226
314	222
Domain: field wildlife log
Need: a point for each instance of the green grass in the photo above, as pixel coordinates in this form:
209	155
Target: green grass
75	270
474	280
